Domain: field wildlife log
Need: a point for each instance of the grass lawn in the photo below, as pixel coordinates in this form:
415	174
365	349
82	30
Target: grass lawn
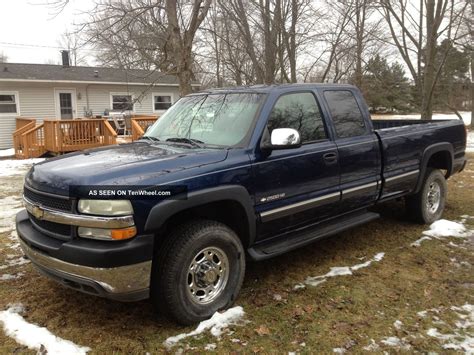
402	302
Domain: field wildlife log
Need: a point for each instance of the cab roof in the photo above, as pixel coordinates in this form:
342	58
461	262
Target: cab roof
265	89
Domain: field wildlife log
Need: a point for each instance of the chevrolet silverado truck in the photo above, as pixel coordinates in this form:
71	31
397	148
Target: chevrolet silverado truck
265	170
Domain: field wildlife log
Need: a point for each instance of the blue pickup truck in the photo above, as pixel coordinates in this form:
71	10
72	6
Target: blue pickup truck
261	170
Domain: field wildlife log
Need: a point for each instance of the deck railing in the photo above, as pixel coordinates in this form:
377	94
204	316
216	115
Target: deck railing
23	121
140	124
72	135
33	142
60	136
22	126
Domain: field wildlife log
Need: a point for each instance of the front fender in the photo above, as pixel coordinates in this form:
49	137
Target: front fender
161	212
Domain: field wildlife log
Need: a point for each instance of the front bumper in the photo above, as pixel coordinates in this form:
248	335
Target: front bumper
114	270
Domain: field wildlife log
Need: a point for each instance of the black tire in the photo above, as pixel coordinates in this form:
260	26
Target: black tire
171	274
419	207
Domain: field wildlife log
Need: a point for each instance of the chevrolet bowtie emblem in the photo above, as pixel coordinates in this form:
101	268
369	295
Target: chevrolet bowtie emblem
37	212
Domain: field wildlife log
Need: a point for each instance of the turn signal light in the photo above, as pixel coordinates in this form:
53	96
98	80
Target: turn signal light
125	233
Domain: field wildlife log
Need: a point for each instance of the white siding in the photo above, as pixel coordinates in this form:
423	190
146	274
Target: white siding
37	101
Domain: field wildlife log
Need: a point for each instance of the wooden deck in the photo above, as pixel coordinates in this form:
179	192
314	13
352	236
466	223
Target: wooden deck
140	124
54	136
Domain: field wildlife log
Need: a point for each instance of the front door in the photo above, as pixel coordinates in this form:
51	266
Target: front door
296	187
65	104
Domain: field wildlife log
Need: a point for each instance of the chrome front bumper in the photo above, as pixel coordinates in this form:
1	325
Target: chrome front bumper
124	283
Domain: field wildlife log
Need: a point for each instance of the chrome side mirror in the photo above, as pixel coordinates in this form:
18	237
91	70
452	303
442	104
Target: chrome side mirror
284	138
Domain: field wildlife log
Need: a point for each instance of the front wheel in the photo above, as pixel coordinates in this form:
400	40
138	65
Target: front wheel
198	271
428	204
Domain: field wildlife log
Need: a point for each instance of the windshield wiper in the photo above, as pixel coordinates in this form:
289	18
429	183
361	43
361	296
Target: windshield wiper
190	141
151	138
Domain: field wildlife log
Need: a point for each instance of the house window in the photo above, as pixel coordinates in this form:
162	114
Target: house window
122	102
162	102
8	103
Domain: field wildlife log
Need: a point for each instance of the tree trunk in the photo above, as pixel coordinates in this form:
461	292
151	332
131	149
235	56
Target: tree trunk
429	70
360	22
472	65
185	78
472	76
292	45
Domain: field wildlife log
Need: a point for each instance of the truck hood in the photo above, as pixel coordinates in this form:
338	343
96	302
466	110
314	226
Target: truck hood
128	164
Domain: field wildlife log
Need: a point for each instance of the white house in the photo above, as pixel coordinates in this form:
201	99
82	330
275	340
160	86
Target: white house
62	91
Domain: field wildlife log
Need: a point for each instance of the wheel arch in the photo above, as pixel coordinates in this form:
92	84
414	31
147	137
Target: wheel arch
230	204
439	156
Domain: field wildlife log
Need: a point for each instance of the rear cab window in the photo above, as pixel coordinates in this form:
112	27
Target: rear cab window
346	115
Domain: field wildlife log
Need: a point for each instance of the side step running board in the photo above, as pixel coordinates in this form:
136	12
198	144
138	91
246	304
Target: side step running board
271	248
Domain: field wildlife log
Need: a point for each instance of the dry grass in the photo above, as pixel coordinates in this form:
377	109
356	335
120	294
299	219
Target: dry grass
345	312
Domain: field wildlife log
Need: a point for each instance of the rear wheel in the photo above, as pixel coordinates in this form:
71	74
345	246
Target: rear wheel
198	271
428	204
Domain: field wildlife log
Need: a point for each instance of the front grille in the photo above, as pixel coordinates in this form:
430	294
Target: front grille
50	201
55	230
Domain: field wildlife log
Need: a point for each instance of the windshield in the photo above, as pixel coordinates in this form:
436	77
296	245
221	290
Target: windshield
215	119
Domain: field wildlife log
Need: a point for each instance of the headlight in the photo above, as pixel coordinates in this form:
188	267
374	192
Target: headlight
107	234
105	207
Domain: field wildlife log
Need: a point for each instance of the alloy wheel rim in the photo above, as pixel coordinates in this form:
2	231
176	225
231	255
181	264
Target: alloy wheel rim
433	199
208	274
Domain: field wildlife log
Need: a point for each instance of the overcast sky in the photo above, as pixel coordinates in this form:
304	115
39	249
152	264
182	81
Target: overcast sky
30	32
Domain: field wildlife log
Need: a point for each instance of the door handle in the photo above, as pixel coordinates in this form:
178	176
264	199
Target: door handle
330	158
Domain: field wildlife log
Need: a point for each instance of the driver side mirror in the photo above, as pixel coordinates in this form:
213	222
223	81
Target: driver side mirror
283	138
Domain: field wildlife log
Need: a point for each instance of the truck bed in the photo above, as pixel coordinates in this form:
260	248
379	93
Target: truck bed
403	144
385	124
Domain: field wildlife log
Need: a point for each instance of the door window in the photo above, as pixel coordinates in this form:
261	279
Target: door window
299	111
65	105
345	112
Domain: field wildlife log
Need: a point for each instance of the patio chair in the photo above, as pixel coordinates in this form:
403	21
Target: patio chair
119	126
128	124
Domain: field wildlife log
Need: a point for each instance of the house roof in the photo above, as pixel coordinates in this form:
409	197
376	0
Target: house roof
97	75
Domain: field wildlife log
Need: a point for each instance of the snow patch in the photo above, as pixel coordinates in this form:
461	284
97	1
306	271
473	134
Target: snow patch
35	337
216	325
11	167
15	262
470	142
422	314
443	228
7	152
339	271
209	347
418	242
339	350
396	342
277	297
8	277
459	339
373	346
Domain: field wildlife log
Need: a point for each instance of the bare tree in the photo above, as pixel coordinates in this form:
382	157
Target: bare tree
471	49
416	38
3	57
272	33
71	41
157	35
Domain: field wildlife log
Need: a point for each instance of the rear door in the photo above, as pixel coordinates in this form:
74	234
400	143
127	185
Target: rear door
294	187
358	149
